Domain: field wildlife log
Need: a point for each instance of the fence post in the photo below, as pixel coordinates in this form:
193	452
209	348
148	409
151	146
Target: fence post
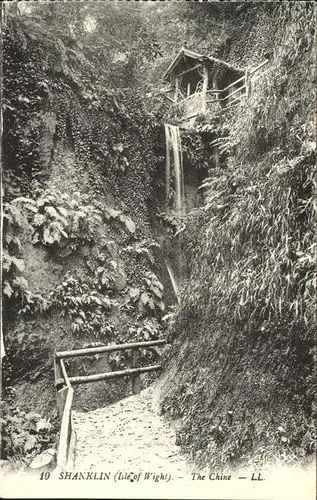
135	379
176	90
59	386
205	88
59	379
247	83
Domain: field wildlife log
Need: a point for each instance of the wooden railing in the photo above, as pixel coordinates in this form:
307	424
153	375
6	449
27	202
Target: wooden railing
218	99
65	391
245	87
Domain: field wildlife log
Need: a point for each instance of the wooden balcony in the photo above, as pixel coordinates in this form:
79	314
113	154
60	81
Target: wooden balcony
215	101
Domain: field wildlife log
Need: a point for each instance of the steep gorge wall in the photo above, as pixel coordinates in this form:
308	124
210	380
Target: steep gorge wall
81	265
239	375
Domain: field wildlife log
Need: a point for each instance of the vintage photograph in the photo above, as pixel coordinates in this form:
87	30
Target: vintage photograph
158	249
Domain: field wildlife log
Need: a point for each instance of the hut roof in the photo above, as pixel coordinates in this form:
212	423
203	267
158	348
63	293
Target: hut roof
198	57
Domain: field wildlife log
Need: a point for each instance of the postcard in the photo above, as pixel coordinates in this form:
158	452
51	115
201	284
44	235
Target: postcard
158	250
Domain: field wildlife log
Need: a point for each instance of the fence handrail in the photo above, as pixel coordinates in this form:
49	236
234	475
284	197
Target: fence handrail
243	78
84	379
108	348
232	93
65	391
255	78
234	103
66	431
234	83
252	71
259	66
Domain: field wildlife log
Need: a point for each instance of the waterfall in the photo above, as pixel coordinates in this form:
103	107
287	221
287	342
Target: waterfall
2	351
175	287
175	183
174	157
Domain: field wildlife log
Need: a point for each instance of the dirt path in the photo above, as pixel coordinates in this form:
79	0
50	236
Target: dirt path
128	435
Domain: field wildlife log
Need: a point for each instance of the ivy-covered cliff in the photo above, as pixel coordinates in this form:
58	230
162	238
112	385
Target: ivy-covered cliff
87	237
80	262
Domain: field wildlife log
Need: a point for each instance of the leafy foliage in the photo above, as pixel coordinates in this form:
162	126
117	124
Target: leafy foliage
61	220
248	306
143	248
24	434
148	298
86	79
14	284
85	306
173	221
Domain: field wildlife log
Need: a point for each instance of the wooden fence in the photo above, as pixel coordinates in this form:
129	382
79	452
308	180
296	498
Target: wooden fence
65	391
221	99
243	86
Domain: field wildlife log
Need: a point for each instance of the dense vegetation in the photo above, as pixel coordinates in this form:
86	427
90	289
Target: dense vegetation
79	264
243	382
83	155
